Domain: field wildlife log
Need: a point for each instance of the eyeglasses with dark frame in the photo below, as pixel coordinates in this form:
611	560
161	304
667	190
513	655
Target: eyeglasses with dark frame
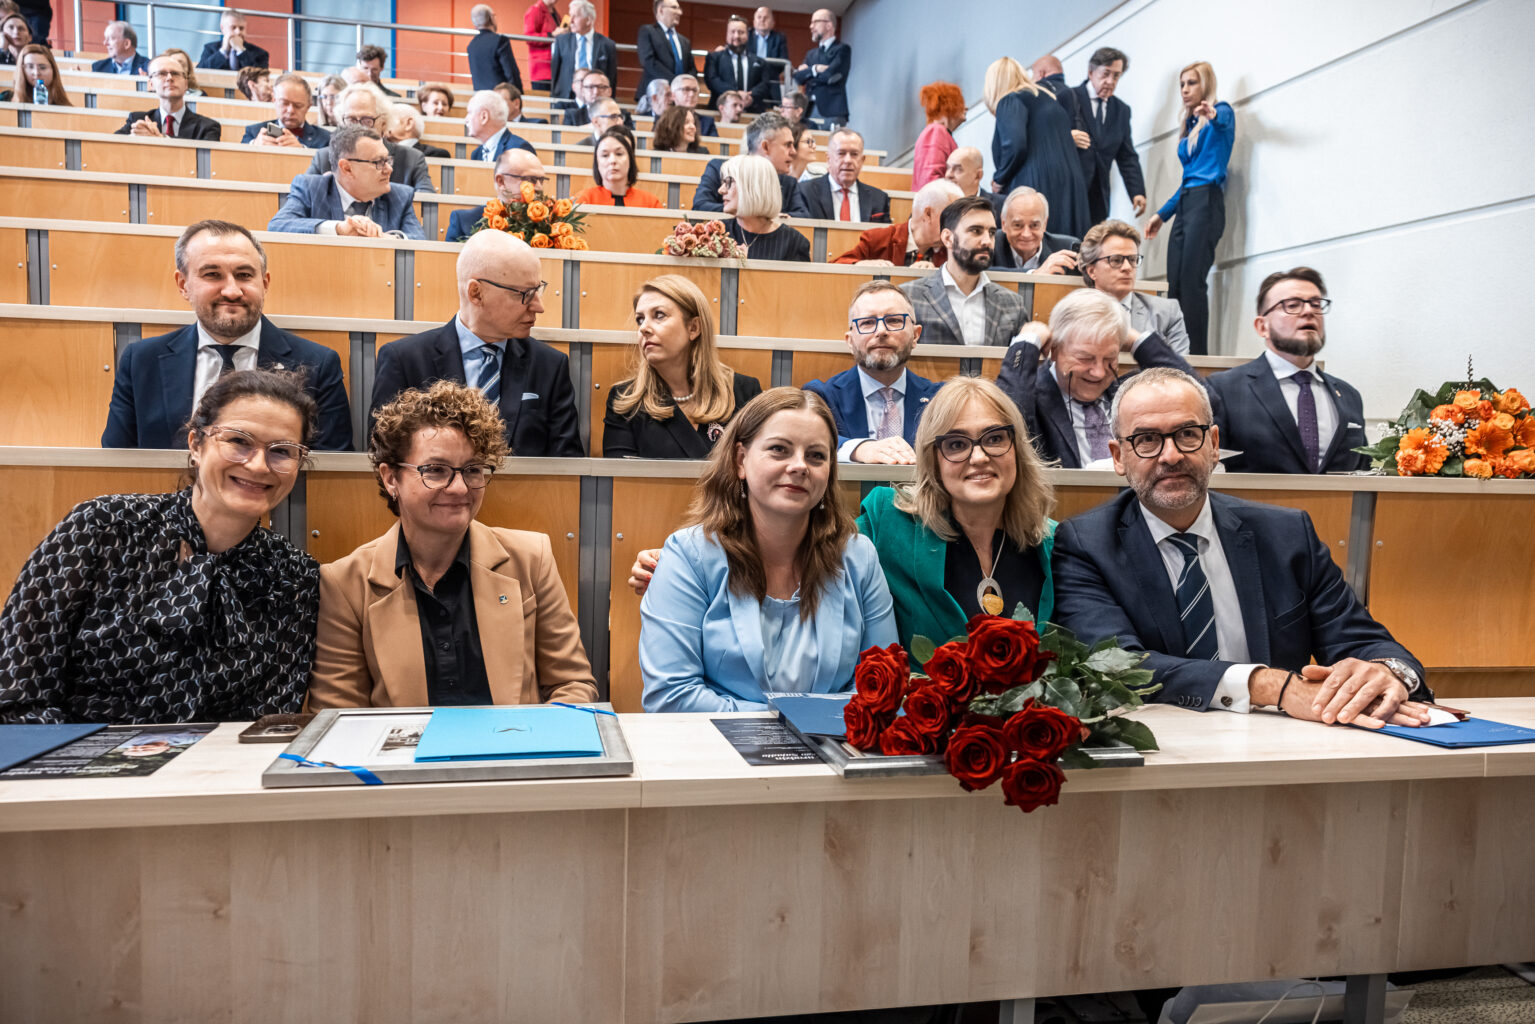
436	476
870	324
527	295
1295	306
361	120
383	163
1148	444
1119	259
958	447
282	457
536	180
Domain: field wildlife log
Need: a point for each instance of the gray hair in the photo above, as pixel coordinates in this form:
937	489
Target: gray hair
403	114
292	77
585	7
1086	314
344	140
489	99
657	86
378	99
1024	192
684	78
605	106
844	130
757	191
1092	242
939	191
326	82
127	31
1159	375
762	127
482	15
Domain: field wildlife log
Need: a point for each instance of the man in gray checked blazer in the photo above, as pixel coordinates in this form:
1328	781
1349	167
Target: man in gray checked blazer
957	304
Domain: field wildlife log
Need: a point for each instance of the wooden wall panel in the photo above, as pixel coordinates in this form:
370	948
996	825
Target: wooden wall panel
794	303
13	253
645	513
32	152
100	270
111	156
331	280
608	289
57	384
182	206
253	164
65	200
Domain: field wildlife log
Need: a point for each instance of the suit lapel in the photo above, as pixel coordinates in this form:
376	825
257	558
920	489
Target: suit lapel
831	627
1144	563
746	618
448	359
934	294
1242	558
1266	390
274	352
1055	418
498	618
684	436
178	376
917	398
392	628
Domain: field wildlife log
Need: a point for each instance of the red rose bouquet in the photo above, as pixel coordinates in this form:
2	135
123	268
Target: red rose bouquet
1001	704
542	222
703	240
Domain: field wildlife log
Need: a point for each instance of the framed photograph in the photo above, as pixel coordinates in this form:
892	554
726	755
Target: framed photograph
382	742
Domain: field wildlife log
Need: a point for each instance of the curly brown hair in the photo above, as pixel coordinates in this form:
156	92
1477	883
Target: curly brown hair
445	404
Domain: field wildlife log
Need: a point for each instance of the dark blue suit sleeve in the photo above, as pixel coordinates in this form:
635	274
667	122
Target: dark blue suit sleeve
506	63
1009	140
564	422
651	64
388	380
329	390
707	195
122	418
1130	162
1020	364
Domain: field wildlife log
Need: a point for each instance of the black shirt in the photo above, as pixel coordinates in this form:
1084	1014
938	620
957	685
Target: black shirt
450	636
1020	574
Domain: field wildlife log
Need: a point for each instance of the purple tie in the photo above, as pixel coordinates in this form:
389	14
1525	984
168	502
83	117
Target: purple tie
890	419
1305	418
1097	430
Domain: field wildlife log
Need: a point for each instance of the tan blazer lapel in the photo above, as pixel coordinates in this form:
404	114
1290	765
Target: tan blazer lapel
498	615
392	629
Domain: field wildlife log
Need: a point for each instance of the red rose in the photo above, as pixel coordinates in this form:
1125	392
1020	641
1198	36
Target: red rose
1040	732
881	677
863	724
976	756
948	670
929	710
1028	784
1003	653
903	737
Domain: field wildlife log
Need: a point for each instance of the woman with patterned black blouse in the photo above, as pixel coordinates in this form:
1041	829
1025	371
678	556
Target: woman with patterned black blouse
175	607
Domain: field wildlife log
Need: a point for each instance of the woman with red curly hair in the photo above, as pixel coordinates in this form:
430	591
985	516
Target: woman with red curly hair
945	106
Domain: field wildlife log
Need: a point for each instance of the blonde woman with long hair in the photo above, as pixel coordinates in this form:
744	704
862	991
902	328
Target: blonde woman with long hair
680	396
1032	145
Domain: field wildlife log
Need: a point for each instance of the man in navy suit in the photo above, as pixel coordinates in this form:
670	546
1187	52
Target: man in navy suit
767	42
1066	400
1024	244
1233	599
737	69
232	52
357	199
173	119
663	51
1108	126
290	100
123	56
582	47
769	136
1281	412
838	194
824	70
486	121
221	271
515	167
491	61
878	403
487	345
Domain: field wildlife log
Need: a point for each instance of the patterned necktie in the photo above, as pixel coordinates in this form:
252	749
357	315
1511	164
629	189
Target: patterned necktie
170	126
890	418
1097	429
1196	607
490	374
357	208
227	355
1305	418
581	61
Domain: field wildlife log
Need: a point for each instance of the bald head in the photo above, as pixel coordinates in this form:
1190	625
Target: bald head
927	207
1046	66
515	167
491	265
356	76
964	168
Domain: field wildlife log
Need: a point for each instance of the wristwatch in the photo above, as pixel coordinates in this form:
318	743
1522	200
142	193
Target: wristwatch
1403	671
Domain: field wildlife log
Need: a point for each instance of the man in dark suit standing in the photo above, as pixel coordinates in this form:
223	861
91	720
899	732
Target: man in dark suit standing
824	70
487	345
736	69
838	194
221	271
123	56
1066	400
1024	244
878	403
1108	125
767	42
1281	412
173	119
582	47
232	52
491	61
663	51
1233	600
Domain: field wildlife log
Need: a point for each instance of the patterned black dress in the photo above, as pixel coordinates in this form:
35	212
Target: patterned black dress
112	621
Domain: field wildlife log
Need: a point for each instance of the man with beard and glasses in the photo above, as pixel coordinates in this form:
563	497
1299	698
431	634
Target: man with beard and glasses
222	272
1280	412
878	402
958	304
1233	599
1065	401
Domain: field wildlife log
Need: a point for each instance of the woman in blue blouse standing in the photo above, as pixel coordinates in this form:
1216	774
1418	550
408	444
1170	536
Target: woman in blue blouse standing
1198	209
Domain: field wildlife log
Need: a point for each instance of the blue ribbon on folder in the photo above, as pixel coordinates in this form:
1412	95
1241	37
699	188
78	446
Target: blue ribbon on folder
358	770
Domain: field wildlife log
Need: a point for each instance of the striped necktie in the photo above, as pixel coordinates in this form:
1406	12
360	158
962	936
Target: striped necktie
489	380
1196	608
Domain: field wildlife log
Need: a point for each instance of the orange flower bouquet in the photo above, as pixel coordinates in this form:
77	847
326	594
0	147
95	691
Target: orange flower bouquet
1466	429
541	221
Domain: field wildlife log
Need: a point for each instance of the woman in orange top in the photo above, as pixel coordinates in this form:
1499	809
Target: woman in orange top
614	170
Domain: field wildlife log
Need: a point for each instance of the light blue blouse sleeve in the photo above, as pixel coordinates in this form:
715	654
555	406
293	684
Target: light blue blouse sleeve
873	593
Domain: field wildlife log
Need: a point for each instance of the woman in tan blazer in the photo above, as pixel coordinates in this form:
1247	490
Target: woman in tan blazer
443	609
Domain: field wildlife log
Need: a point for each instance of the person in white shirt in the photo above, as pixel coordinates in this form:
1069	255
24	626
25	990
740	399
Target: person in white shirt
958	304
1111	252
840	195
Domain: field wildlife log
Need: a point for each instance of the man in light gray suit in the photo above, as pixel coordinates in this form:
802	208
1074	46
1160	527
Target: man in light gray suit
957	304
364	106
1110	254
356	199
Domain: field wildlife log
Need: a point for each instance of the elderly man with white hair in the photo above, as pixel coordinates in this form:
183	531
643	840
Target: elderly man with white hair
490	53
488	344
363	106
486	124
1066	398
685	94
916	242
404	126
658	96
1024	244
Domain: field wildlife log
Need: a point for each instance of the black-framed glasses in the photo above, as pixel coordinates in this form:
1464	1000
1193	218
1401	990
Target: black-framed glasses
1119	259
361	120
1294	307
1148	444
282	457
382	163
957	447
726	181
536	180
436	476
527	295
891	322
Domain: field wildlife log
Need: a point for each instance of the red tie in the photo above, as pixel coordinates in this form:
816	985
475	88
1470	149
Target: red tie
847	207
170	127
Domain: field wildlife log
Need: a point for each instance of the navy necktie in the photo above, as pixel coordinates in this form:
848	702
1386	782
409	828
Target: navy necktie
671	34
1305	418
489	381
227	356
358	208
1196	608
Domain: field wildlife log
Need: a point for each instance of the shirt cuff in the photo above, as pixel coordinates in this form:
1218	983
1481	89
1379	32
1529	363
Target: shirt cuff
1231	692
845	450
327	227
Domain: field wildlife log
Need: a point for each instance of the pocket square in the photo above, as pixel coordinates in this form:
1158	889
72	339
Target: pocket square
530	396
1356	426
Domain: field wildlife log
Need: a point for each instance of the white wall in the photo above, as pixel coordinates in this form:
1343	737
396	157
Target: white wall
1388	143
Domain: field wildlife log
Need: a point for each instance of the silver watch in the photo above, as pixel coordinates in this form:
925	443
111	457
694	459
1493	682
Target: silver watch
1403	671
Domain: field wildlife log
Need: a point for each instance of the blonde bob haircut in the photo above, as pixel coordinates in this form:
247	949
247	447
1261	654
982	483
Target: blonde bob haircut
1026	515
758	193
712	382
722	506
1003	78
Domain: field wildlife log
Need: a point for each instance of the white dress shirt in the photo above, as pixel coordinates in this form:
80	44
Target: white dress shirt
1321	394
837	191
209	363
486	152
969	310
179	116
1231	635
874	409
1032	263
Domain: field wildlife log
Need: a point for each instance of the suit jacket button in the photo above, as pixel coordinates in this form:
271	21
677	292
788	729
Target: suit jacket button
1225	702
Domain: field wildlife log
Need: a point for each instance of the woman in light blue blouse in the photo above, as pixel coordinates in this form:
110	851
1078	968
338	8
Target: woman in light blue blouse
1198	209
770	587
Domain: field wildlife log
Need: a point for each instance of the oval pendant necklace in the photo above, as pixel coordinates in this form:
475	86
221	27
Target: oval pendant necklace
988	593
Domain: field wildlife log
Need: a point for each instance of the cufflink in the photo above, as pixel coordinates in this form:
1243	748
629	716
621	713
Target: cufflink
1226	701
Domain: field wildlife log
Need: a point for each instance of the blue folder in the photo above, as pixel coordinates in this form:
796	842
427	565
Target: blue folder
493	734
812	714
21	743
1473	732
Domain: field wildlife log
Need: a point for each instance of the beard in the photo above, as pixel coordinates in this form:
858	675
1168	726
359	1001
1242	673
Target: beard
229	323
1298	345
971	261
1192	486
882	360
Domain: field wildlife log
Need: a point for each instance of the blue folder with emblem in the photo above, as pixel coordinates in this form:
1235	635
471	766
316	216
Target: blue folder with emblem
1473	732
812	714
21	743
491	734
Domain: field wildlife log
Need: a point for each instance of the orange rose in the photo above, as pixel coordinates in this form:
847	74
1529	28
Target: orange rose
1486	439
1503	421
1505	468
1524	432
1421	453
538	212
1477	468
500	223
1410	463
1466	400
1484	410
562	207
539	241
1448	413
521	236
581	245
1522	460
1511	401
565	241
495	208
565	229
529	193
